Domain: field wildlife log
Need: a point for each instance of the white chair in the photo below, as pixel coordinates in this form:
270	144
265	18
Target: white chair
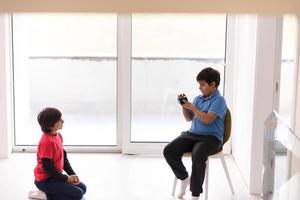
227	131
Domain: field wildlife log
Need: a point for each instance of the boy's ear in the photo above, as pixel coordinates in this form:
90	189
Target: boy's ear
213	84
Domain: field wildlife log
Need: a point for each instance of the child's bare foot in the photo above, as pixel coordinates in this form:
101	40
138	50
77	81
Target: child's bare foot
37	194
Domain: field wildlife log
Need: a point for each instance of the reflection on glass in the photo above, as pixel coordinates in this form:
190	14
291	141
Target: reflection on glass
287	67
168	51
285	138
275	172
66	61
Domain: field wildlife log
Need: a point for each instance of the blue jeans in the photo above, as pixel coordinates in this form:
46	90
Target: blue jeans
57	190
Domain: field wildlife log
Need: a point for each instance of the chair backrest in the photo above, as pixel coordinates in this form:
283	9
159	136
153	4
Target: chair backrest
227	126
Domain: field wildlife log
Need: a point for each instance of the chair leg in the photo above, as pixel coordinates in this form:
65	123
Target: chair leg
227	174
206	178
174	186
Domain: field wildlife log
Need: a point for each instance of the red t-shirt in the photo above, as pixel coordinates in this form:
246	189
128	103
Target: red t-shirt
50	146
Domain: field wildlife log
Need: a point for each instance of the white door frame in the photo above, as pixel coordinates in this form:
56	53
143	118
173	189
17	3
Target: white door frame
6	113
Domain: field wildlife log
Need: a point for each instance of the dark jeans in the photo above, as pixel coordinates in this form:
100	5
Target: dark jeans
58	190
201	147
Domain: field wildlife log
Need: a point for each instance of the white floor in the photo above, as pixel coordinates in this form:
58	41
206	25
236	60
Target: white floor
119	177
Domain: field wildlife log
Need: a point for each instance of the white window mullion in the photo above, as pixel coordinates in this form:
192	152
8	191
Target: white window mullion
124	80
124	93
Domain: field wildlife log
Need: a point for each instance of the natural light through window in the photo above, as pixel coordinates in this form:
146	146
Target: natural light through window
67	61
168	51
289	42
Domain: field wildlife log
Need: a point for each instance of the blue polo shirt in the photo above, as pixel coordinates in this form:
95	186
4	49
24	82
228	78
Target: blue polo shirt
216	104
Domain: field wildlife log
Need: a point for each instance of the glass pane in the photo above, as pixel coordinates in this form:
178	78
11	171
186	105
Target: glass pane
289	41
67	61
285	139
276	167
168	51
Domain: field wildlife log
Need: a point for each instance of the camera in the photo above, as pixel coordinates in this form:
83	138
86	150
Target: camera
181	98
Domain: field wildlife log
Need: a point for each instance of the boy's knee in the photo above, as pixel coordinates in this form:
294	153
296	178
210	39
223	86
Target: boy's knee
199	159
166	151
83	187
78	193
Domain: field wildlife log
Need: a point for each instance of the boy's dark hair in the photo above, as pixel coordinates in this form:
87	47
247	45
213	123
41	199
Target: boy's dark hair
209	75
47	118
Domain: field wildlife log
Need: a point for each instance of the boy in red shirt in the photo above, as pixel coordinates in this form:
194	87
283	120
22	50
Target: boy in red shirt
52	160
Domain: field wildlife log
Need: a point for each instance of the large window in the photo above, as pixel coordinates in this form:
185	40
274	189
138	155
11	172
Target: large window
68	61
168	51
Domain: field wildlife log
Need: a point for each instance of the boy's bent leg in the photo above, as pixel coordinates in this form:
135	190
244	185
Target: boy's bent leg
173	154
57	190
82	186
200	153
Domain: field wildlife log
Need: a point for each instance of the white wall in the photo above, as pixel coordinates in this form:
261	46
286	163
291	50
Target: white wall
266	98
5	114
243	65
257	47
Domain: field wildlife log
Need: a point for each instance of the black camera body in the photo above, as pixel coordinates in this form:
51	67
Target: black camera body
181	98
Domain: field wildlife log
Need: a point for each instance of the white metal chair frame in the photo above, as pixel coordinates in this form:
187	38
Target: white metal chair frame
218	155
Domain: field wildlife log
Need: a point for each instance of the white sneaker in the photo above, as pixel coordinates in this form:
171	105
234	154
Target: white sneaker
183	186
195	198
37	194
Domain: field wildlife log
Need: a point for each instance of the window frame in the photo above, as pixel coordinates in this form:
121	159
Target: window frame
124	145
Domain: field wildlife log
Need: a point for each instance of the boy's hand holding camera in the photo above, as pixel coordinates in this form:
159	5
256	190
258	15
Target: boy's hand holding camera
183	100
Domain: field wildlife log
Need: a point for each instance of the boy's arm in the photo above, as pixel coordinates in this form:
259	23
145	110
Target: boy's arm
206	118
48	166
217	108
67	165
188	114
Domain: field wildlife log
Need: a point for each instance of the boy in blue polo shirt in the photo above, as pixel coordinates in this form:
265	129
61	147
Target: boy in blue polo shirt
204	138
